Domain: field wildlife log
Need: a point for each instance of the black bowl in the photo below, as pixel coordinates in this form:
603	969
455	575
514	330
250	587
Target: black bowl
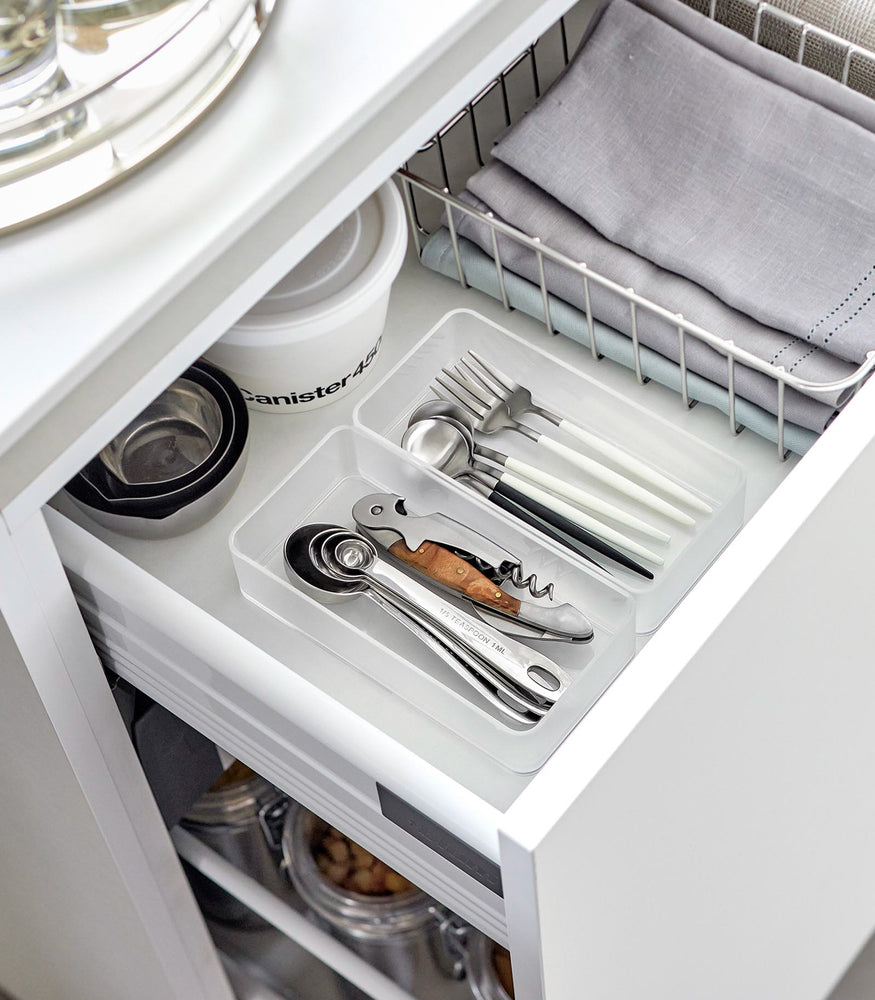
97	488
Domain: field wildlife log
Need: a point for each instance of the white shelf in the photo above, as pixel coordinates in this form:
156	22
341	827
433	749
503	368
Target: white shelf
294	925
104	305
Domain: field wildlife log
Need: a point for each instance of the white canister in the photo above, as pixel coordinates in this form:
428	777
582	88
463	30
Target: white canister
313	338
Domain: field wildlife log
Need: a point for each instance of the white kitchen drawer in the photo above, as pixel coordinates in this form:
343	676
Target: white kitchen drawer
174	622
197	566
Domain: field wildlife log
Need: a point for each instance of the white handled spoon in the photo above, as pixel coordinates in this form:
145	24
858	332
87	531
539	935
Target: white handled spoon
588	502
454	443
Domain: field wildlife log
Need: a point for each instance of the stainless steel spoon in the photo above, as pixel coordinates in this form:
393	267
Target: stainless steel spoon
451	448
440	409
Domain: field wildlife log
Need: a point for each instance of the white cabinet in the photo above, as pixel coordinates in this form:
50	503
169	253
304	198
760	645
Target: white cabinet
705	824
702	830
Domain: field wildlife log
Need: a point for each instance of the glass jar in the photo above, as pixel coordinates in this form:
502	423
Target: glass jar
406	935
487	966
31	78
240	817
28	50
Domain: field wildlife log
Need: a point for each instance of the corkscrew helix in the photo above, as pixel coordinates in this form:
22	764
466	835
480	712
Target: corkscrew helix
513	572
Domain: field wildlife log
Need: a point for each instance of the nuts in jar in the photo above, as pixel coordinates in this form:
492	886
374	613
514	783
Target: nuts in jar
352	867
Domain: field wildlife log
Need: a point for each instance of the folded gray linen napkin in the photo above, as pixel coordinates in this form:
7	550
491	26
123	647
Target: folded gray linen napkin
707	169
479	271
517	201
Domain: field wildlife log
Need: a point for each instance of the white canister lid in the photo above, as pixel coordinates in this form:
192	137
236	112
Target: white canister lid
339	269
311	339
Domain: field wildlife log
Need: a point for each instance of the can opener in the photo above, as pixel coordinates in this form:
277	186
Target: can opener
468	564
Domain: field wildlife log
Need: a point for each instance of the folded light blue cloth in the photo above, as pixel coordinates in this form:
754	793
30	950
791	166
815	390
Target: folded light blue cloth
479	270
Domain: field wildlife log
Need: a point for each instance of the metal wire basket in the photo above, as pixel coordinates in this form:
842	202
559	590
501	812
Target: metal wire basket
442	165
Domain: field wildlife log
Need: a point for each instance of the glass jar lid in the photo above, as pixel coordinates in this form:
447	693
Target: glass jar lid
237	796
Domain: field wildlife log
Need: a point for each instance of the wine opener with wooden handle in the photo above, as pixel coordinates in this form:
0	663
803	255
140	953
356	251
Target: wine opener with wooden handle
469	564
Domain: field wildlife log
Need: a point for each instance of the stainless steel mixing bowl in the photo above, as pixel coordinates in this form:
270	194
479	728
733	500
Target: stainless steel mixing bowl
173	436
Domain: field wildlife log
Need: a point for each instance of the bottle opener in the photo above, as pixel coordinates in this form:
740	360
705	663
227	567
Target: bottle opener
467	563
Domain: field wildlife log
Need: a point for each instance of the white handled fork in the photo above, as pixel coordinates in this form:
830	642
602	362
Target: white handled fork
488	413
517	400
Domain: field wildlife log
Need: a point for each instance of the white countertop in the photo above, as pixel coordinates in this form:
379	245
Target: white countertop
110	300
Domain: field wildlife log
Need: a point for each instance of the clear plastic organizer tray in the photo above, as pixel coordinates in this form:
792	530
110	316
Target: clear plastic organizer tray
715	479
349	464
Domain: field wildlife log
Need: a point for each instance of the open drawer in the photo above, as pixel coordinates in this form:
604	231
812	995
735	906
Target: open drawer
722	767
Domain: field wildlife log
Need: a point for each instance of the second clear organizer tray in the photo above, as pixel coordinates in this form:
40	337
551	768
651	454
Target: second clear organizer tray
696	466
352	462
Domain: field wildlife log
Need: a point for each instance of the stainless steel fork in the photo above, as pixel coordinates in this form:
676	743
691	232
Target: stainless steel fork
517	401
488	413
